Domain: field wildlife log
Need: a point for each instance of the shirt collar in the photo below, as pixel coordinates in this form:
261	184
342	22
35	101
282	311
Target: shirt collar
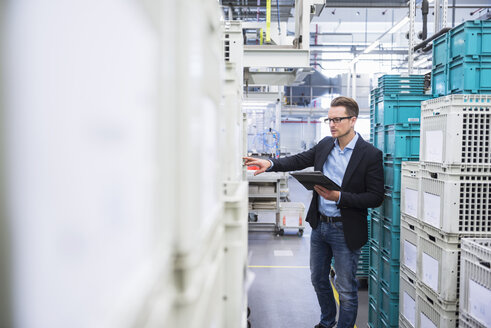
351	144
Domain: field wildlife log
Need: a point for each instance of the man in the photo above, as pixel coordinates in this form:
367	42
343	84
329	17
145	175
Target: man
338	219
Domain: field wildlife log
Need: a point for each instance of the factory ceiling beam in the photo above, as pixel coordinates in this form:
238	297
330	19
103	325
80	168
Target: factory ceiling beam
263	96
367	4
349	59
374	52
275	56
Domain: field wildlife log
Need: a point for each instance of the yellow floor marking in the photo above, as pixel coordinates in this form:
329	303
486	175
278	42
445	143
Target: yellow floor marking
280	266
336	295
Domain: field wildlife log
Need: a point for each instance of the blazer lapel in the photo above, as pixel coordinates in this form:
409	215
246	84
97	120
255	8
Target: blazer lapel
323	155
355	159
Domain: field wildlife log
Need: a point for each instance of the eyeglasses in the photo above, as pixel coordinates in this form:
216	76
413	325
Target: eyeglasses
336	119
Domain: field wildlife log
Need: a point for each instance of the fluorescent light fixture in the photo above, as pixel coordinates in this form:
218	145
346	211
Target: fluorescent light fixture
255	102
354	61
399	25
371	47
421	61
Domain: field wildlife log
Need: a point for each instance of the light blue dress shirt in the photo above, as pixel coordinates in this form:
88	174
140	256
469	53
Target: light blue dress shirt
334	168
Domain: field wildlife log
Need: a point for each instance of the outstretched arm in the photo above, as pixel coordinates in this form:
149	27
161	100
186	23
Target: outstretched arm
263	164
291	163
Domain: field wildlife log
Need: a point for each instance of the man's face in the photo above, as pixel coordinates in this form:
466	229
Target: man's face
342	128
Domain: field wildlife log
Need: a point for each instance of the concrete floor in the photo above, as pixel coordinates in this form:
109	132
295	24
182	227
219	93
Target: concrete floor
281	294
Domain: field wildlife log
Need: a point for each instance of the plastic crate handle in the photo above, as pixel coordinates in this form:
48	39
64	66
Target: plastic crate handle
486	264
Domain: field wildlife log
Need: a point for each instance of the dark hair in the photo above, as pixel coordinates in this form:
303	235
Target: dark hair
348	103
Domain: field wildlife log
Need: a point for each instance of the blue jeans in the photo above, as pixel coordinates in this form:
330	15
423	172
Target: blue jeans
326	241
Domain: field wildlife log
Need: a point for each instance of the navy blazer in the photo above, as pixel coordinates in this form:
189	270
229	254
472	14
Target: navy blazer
362	186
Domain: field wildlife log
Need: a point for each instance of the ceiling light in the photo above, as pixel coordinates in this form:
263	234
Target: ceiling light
421	61
399	25
371	47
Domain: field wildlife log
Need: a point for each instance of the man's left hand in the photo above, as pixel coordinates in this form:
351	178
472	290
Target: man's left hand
327	194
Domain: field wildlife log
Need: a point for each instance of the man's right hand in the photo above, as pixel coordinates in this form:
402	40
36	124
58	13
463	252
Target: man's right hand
263	164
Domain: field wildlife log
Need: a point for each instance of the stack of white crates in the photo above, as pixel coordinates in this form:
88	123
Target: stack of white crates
444	198
475	283
235	184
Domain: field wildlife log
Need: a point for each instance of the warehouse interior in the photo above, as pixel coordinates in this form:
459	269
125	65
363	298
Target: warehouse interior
125	200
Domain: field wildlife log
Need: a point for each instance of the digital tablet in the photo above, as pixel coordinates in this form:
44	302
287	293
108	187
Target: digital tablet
310	179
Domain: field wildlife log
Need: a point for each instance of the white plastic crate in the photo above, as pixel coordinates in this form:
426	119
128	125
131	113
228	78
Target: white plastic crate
475	281
253	189
464	169
230	122
203	303
86	160
455	129
292	216
438	267
196	126
407	299
431	313
410	229
235	261
403	323
466	321
410	186
456	203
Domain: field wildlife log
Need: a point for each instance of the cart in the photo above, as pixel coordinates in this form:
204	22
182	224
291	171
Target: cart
291	217
266	192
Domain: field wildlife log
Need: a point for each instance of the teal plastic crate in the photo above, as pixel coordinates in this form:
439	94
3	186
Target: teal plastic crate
373	314
392	207
439	81
407	101
389	274
376	230
396	112
402	143
462	75
389	321
401	91
400	79
377	212
412	86
364	259
392	174
373	287
471	38
374	261
469	76
379	138
403	97
440	51
391	241
363	268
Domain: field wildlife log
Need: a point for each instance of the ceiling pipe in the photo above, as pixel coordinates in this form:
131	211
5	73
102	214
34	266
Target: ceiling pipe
431	38
278	14
424	11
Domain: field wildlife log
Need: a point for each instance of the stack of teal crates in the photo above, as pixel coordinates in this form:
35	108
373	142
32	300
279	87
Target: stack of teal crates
363	269
395	112
363	262
462	60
